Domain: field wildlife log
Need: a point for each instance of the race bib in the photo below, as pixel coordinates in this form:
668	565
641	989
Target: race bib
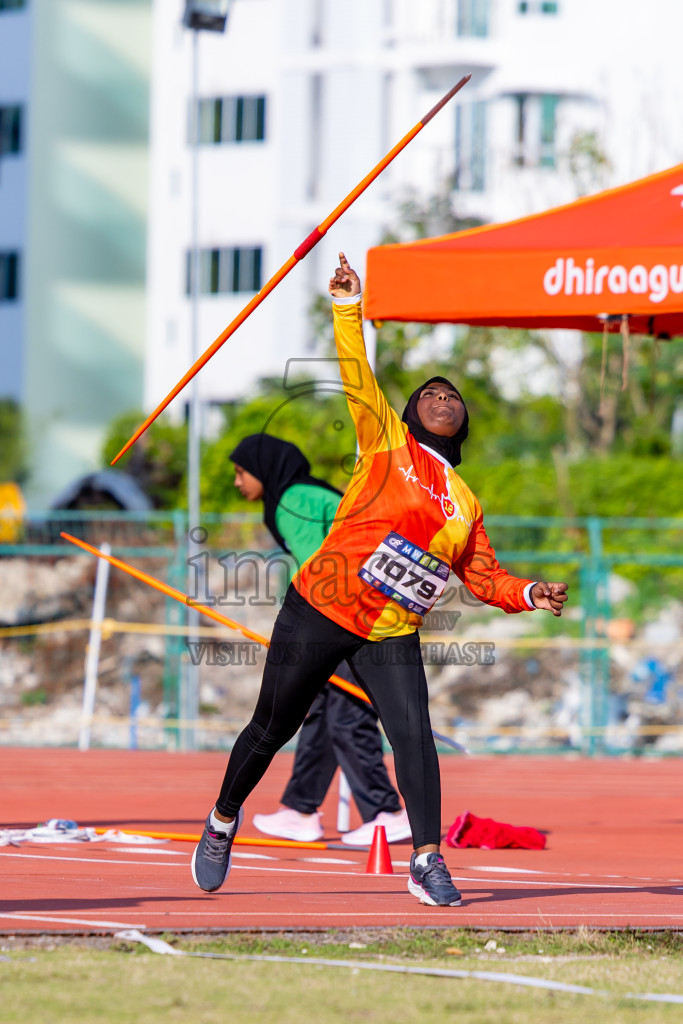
409	575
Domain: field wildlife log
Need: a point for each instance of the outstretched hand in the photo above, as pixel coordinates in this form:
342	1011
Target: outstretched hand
549	596
345	282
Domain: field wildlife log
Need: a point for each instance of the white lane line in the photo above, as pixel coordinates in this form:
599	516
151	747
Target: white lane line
176	864
547	882
103	860
304	871
67	920
98	860
463	917
548	876
513	871
569	874
398	914
148	849
253	856
329	860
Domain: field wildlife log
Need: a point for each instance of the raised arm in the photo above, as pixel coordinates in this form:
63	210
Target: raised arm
377	425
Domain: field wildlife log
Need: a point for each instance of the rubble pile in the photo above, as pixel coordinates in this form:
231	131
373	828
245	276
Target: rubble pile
488	689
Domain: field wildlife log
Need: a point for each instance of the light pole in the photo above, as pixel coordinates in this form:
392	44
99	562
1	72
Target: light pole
209	15
206	16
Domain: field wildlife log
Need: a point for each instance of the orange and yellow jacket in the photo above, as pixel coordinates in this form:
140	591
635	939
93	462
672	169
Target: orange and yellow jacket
405	521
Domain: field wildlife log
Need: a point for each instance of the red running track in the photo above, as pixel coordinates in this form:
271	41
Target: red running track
612	860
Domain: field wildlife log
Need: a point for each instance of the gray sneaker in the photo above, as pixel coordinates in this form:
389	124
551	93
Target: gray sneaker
433	884
211	859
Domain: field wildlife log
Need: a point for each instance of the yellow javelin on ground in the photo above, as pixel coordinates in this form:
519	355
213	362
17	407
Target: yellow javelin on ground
183	837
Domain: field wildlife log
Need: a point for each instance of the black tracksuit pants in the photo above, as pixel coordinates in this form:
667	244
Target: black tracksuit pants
306	648
340	731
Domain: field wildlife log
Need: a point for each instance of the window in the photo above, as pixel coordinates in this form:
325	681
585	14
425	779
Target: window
11	5
10	129
473	17
535	130
538	6
548	130
226	270
9	276
231	119
521	102
470	146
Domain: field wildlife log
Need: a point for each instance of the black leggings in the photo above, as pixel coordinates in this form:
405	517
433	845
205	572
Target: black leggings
305	649
340	731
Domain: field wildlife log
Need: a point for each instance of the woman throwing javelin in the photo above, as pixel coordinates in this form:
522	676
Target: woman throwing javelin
339	729
406	520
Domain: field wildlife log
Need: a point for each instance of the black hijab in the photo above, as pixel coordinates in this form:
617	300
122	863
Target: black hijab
448	447
277	464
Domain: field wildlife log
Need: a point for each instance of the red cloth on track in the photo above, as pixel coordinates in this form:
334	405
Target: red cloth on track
487	834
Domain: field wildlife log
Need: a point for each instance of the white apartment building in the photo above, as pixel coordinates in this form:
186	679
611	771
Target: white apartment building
15	90
74	103
299	99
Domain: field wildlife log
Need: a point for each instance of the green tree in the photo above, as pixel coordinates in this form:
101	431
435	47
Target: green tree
587	163
13	449
157	460
619	396
590	448
635	418
421	216
316	418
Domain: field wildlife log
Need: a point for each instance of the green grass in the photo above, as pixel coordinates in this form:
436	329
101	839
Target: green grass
106	980
416	945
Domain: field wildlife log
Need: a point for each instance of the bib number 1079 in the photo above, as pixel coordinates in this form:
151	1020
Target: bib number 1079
398	572
405	573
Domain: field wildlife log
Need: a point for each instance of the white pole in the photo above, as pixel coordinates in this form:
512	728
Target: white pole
194	567
93	652
344	805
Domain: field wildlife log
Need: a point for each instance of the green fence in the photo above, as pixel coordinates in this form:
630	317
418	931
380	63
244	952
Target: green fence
645	554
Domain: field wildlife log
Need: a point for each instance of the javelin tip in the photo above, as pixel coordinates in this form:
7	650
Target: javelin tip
131	441
444	99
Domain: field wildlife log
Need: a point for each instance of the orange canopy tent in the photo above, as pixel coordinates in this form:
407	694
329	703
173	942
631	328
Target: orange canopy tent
613	254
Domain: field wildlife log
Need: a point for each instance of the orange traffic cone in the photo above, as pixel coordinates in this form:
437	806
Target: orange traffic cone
379	858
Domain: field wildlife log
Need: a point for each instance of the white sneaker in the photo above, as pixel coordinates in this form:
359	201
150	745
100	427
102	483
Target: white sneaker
290	824
396	826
